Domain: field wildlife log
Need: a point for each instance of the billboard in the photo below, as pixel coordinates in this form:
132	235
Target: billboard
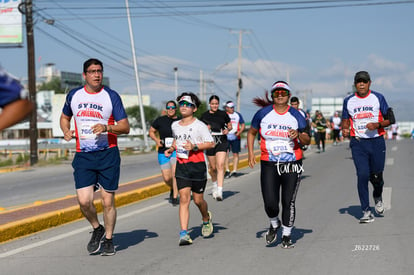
11	28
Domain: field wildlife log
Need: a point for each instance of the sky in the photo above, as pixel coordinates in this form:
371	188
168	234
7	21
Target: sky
317	46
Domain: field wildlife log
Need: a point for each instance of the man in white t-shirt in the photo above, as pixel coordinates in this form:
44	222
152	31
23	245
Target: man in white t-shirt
336	126
233	138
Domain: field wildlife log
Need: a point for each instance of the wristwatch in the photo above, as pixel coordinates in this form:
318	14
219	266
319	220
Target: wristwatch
195	148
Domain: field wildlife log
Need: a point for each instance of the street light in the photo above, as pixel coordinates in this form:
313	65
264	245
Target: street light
141	107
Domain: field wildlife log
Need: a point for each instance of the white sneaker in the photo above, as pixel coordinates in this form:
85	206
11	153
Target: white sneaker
214	192
379	206
367	217
219	196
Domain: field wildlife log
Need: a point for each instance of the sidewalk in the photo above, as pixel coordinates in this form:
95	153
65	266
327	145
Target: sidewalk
28	220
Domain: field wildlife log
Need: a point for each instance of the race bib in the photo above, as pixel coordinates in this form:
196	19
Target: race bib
361	125
278	147
86	131
181	152
168	142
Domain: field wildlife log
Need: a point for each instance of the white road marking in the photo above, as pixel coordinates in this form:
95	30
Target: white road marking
386	197
389	161
394	148
69	234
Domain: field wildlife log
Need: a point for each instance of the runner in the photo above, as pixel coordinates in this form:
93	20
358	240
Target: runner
319	123
281	128
336	128
191	138
219	124
164	139
96	164
233	138
364	116
294	102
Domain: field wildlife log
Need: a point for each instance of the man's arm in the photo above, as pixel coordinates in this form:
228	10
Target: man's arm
14	112
65	127
121	127
242	127
345	127
251	135
153	135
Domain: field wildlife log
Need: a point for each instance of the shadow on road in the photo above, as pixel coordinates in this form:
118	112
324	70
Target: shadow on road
127	239
353	210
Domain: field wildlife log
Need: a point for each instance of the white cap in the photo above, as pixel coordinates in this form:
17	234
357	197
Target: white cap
280	85
230	104
186	98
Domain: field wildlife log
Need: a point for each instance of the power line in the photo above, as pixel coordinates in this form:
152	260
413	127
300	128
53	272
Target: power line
224	8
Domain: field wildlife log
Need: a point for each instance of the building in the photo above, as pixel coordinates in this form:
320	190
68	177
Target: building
327	105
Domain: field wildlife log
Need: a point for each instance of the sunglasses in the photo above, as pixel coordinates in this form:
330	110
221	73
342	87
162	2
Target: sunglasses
186	104
361	80
95	72
277	93
170	107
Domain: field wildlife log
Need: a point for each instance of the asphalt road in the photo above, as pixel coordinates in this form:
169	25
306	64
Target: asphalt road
327	235
50	182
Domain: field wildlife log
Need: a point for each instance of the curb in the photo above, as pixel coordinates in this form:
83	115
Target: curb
27	226
12	169
41	222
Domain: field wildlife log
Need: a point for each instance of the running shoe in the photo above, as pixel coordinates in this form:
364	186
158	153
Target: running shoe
175	201
207	228
185	240
95	243
219	195
214	192
227	174
170	198
287	242
367	217
232	174
108	248
379	206
271	234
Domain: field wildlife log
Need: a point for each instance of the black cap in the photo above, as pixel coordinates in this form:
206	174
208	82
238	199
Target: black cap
362	75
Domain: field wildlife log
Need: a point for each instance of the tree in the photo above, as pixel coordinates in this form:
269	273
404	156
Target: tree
203	107
52	85
134	115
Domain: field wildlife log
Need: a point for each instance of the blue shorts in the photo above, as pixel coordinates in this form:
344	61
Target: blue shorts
234	146
100	168
166	162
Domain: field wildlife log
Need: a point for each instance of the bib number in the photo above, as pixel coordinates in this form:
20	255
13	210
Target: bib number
278	147
181	152
86	132
361	125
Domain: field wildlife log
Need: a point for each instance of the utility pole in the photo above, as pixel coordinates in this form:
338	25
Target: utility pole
26	8
201	86
176	82
141	107
239	79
